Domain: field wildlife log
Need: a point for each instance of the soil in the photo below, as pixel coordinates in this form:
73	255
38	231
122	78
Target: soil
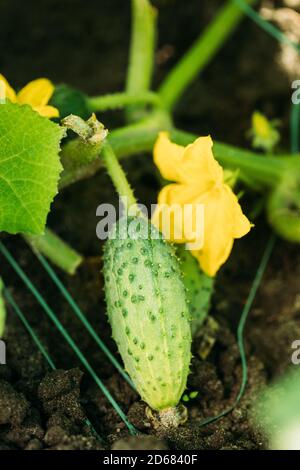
41	408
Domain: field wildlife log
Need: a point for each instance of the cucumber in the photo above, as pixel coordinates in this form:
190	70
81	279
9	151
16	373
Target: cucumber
199	286
148	311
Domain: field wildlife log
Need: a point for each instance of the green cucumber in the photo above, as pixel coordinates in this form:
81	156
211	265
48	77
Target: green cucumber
199	288
148	311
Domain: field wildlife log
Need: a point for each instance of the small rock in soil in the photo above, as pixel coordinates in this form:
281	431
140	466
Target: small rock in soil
64	422
59	429
184	438
30	429
78	443
13	405
60	391
34	444
137	416
204	379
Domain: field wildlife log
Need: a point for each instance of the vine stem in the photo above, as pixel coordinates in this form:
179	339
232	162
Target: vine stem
141	55
137	138
121	100
200	54
117	175
56	249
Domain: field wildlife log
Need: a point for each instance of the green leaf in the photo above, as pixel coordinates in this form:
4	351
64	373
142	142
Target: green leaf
29	168
69	100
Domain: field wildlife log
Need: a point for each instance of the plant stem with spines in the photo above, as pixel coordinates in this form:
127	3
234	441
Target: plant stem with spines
121	100
117	175
58	251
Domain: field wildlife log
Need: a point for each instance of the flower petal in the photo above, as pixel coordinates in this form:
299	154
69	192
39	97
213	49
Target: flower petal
177	215
36	93
167	157
240	224
218	240
223	221
199	165
209	264
194	164
178	194
47	111
9	91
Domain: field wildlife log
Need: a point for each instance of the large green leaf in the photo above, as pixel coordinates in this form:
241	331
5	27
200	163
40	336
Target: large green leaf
29	168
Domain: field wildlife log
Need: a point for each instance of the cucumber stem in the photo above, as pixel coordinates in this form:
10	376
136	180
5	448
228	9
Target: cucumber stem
117	175
173	417
167	418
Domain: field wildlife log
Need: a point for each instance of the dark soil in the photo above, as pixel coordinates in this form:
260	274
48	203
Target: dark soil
86	46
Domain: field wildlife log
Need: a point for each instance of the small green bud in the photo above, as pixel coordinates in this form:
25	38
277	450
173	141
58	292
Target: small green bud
264	132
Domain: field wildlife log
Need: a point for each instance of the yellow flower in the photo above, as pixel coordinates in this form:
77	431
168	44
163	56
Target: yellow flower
36	94
199	179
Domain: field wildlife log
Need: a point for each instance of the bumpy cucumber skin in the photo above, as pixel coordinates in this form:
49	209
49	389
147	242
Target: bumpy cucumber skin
148	313
199	287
